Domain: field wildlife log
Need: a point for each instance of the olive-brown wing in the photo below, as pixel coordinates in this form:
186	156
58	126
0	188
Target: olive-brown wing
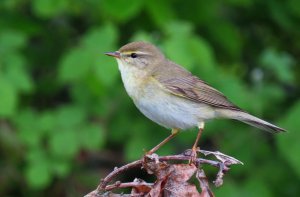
194	89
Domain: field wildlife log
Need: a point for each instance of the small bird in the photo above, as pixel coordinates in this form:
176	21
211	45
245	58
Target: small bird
171	96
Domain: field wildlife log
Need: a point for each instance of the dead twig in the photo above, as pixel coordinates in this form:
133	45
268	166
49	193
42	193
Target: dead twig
205	189
172	179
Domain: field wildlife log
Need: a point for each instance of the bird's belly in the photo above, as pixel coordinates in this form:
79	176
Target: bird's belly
171	111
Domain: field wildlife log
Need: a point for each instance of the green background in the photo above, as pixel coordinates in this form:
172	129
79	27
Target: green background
66	120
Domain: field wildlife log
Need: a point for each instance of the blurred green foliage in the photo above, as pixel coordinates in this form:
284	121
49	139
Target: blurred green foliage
65	119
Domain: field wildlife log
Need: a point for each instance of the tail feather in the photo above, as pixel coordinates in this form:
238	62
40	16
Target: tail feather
252	120
261	124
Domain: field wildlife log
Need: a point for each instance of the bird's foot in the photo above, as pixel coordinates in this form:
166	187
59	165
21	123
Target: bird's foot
150	155
153	157
146	155
193	155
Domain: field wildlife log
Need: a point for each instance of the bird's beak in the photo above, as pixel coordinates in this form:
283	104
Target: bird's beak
115	54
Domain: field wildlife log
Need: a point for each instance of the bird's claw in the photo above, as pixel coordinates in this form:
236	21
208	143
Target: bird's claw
193	155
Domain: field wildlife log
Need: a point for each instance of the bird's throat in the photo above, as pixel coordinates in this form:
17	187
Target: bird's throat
133	78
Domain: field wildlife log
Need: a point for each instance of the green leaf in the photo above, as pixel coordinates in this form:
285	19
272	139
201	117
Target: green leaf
294	7
160	11
100	38
75	65
241	3
38	171
38	175
227	37
139	141
270	92
61	167
24	119
92	137
8	98
70	116
288	143
49	8
116	134
280	63
201	50
28	131
205	14
64	143
135	147
11	40
122	10
142	36
30	137
187	49
256	183
86	96
47	121
16	73
105	67
230	188
280	15
89	57
9	4
230	86
177	49
177	45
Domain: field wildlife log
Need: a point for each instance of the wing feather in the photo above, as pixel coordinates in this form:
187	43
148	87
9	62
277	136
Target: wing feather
190	87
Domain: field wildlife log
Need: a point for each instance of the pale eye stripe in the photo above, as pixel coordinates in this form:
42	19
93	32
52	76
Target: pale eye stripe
128	53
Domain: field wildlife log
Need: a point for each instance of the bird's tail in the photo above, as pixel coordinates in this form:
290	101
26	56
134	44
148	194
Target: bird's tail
251	120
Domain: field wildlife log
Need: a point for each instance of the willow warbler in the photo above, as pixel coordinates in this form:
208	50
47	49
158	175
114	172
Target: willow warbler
171	96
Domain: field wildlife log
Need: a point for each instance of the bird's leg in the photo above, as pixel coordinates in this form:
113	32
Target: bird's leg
194	148
154	149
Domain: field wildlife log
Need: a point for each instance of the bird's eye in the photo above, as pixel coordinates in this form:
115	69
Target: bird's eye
133	55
